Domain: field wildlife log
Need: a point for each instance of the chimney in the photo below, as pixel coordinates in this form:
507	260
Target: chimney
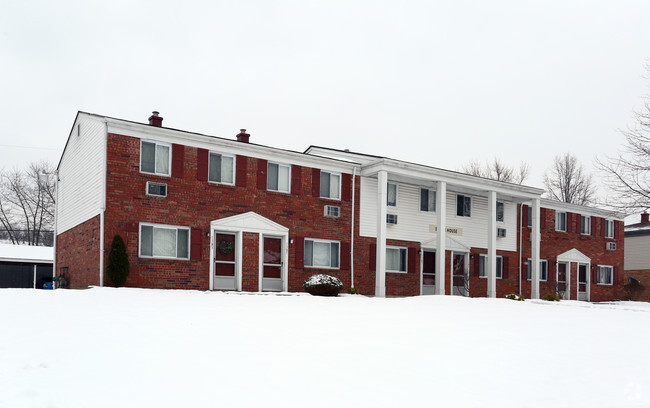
155	120
644	218
243	136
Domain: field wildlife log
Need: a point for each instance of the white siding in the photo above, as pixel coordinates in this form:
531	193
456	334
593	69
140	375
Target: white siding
413	224
637	253
81	170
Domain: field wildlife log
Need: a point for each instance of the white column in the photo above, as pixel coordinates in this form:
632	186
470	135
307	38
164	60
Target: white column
492	245
535	241
382	195
441	215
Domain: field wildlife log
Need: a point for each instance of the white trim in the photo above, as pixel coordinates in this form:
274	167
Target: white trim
149	183
471	205
331	173
326	241
435	201
169	158
288	181
607	221
406	262
557	213
169	227
529	264
234	168
611	268
588	224
486	266
503	205
396	194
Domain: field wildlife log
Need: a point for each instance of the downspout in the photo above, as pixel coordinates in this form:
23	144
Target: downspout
56	219
521	229
102	209
354	172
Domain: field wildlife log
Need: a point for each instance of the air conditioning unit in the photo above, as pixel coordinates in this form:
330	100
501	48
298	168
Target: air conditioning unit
501	232
391	218
611	246
156	189
332	211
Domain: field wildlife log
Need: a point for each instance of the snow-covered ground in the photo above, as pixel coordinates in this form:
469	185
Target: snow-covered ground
151	348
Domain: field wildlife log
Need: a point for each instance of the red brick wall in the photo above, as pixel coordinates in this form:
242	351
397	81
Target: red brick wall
642	276
77	250
194	203
251	262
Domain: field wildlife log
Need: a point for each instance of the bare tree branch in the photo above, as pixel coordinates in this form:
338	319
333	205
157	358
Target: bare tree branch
567	181
497	170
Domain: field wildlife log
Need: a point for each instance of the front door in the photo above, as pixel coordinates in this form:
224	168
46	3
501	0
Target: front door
428	273
224	262
582	282
561	288
272	268
461	285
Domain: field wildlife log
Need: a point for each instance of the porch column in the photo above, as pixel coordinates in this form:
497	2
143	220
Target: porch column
492	245
441	215
535	241
382	195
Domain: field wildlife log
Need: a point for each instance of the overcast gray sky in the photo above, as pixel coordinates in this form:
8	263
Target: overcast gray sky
433	82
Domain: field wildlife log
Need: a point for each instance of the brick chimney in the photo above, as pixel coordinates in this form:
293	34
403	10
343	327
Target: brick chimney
155	120
644	218
243	136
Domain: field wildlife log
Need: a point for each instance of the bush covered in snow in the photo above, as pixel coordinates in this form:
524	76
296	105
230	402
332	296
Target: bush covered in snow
514	296
323	285
552	297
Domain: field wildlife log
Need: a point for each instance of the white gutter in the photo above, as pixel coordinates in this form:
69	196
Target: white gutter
102	209
354	172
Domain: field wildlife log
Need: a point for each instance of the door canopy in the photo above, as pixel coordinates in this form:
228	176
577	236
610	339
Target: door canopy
573	255
249	222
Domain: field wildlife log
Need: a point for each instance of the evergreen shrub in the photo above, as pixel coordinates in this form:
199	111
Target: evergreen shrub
117	268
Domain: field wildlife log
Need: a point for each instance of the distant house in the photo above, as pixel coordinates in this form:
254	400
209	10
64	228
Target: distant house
637	253
212	213
25	266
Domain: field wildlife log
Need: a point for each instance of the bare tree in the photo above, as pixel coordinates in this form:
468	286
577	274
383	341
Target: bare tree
497	170
27	204
627	175
568	182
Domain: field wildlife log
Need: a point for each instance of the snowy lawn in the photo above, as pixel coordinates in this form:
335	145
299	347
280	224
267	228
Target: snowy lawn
152	348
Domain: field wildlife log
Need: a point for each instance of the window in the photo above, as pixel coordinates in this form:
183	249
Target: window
155	158
322	254
483	266
500	211
427	200
560	221
605	275
391	198
463	206
543	269
330	185
609	228
585	224
162	241
221	168
278	177
530	216
395	259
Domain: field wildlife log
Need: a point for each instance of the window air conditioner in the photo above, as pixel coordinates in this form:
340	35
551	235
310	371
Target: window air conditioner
156	189
391	218
611	246
332	211
501	232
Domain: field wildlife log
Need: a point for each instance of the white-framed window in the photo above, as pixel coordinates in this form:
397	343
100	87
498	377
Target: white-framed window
391	197
501	209
279	177
164	241
482	266
221	168
330	185
609	228
605	275
560	221
543	269
396	259
530	216
155	158
320	253
585	224
427	200
463	205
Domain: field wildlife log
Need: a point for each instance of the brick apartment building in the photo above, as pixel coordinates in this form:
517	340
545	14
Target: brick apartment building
209	213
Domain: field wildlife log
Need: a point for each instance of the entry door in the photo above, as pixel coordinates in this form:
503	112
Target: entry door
272	267
428	273
582	282
460	284
561	279
224	262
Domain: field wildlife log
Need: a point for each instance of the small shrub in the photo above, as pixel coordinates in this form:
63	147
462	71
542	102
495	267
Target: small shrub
117	268
353	291
323	285
552	297
515	296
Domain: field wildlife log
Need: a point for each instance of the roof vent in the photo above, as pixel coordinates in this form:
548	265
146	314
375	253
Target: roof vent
155	120
243	136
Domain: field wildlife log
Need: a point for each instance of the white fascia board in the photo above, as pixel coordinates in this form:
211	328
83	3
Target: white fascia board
581	209
357	158
222	145
452	179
